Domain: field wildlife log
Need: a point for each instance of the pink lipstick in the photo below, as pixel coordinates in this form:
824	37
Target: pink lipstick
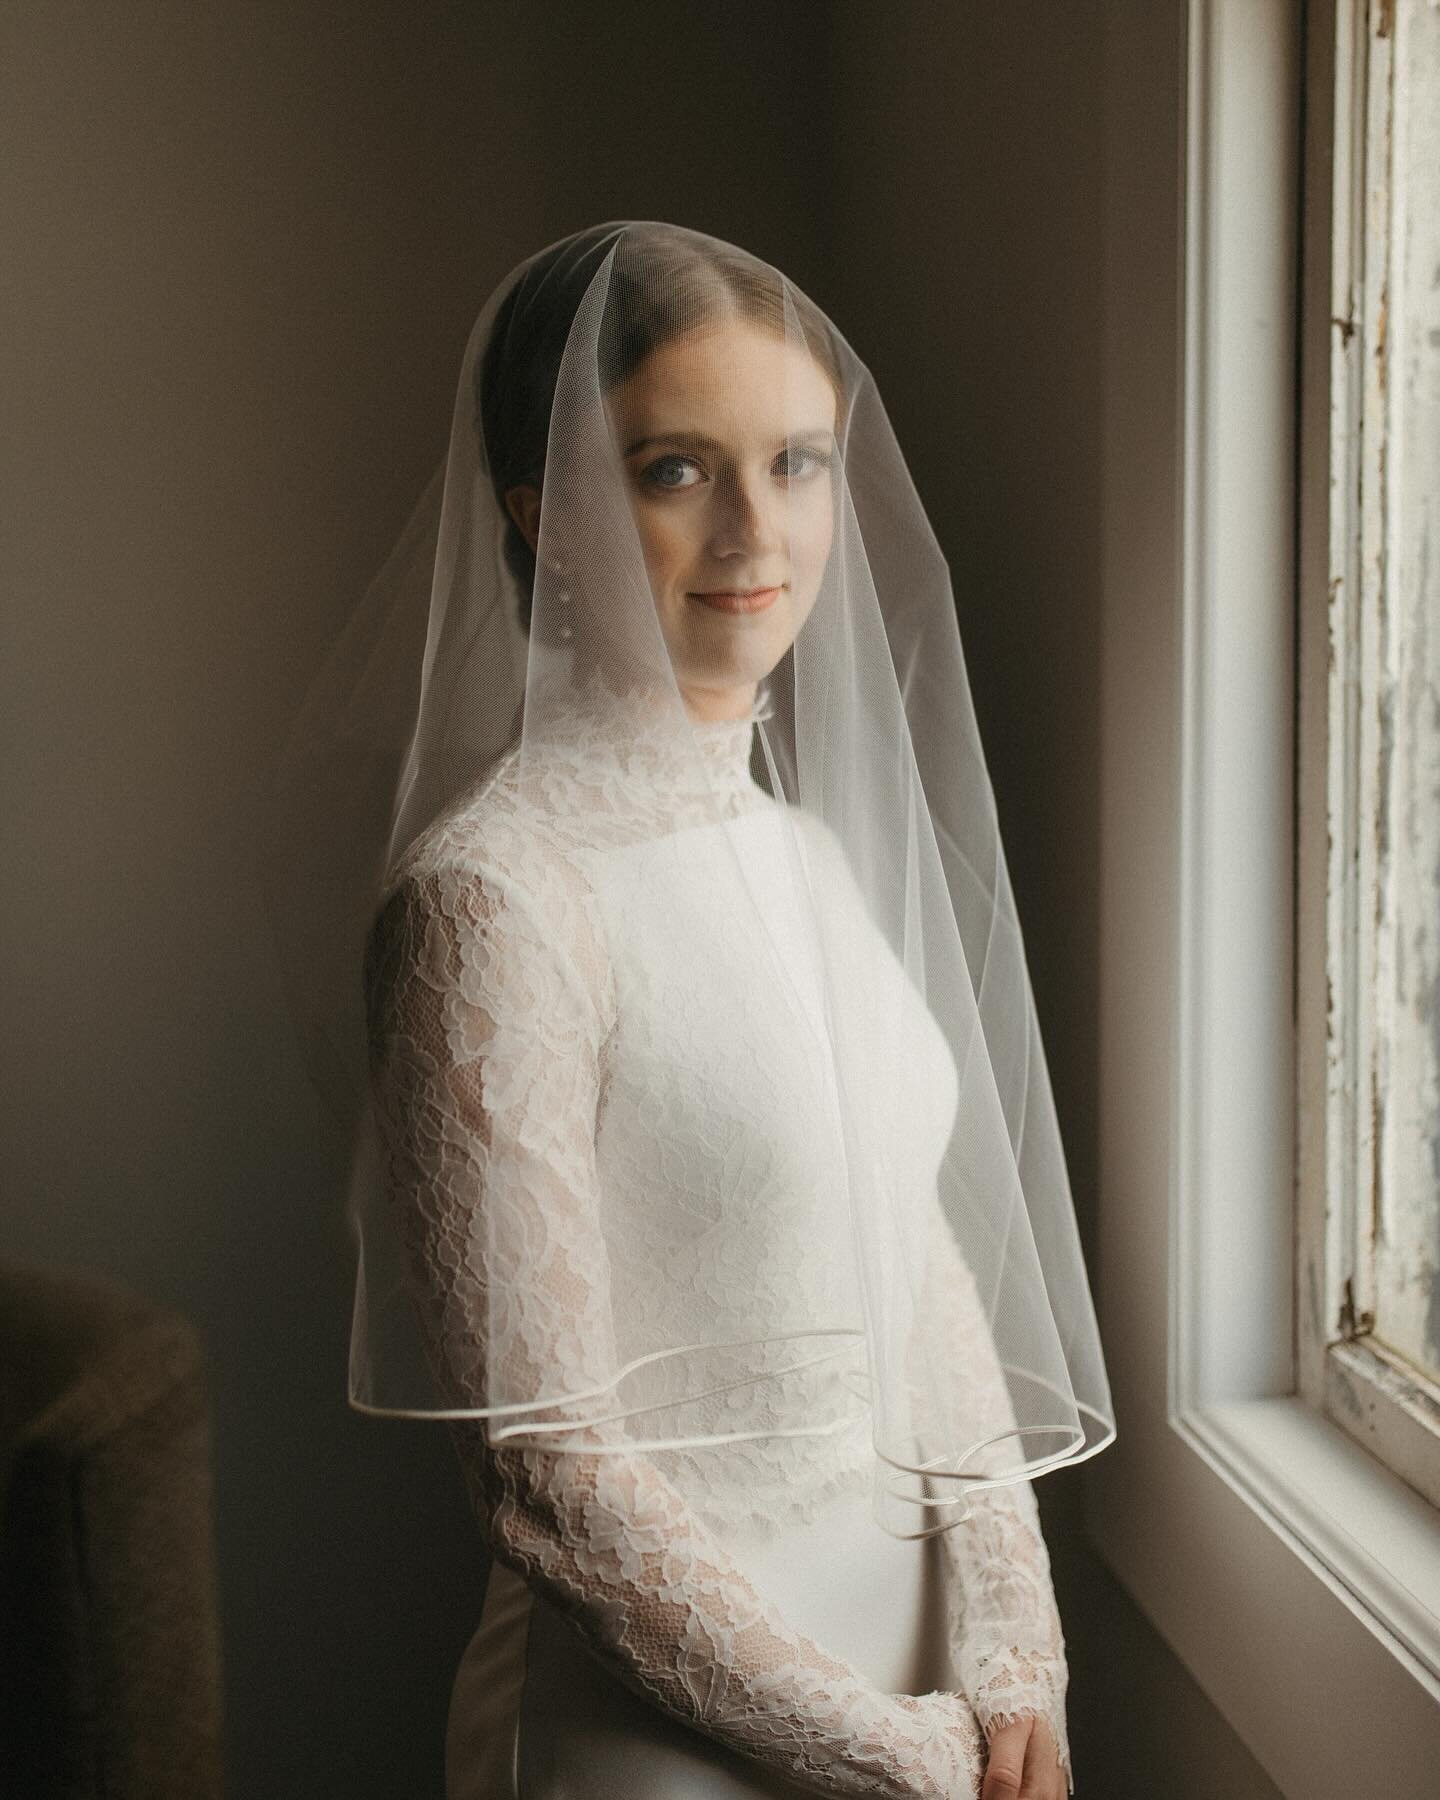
731	601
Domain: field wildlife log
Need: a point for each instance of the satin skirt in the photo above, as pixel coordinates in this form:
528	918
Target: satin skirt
533	1716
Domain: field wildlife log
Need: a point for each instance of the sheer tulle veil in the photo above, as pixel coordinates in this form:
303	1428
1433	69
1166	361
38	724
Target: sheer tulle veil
473	643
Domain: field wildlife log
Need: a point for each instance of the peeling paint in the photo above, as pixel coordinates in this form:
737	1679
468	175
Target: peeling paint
1352	1324
1399	1270
1373	1255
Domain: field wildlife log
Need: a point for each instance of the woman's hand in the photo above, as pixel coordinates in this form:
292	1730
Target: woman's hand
1024	1764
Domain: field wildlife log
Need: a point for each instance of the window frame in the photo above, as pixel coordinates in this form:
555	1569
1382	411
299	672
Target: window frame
1345	1373
1282	1563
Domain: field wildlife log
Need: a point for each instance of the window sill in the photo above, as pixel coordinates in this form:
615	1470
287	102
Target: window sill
1371	1537
1296	1580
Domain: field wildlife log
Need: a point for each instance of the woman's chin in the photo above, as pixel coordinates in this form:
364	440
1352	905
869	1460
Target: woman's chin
733	670
733	649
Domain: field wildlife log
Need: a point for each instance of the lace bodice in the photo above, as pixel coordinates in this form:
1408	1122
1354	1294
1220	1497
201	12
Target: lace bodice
548	1044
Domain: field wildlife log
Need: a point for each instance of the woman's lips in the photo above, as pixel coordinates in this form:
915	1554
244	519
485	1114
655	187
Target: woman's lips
731	601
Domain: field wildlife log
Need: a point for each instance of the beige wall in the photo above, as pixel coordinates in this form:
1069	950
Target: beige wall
243	247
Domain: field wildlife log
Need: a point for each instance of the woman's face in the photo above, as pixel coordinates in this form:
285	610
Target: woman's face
727	436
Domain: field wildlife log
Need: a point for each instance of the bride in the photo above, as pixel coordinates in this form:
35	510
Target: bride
710	1185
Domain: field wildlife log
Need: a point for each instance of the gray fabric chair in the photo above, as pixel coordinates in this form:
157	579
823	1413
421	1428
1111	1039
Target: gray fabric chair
109	1644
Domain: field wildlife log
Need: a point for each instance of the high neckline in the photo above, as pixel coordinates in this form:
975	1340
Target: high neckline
724	739
652	746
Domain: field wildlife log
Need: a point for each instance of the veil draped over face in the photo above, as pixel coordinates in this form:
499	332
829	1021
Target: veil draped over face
725	1029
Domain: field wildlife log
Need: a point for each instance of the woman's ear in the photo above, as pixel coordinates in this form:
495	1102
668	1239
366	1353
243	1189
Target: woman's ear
523	505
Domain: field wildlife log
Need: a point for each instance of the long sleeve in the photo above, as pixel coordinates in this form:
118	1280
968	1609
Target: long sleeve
1005	1633
487	1027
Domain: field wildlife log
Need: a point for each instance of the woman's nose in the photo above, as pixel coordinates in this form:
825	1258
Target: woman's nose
749	516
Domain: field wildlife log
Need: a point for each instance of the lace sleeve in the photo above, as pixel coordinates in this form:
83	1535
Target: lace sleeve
1005	1631
488	1024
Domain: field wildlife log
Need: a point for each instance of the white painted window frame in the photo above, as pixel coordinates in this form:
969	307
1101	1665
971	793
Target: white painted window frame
1297	1579
1353	603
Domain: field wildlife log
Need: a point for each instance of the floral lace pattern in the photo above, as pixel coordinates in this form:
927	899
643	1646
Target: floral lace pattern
500	984
1004	1629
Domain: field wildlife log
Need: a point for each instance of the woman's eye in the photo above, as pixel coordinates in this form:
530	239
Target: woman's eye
799	462
670	471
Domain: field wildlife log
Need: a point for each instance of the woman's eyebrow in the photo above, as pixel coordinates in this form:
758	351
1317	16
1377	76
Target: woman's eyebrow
701	440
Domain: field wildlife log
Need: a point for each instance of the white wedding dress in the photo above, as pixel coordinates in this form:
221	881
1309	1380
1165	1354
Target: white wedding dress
553	1014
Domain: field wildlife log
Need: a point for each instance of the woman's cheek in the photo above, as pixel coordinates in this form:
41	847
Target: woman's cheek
660	552
812	547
